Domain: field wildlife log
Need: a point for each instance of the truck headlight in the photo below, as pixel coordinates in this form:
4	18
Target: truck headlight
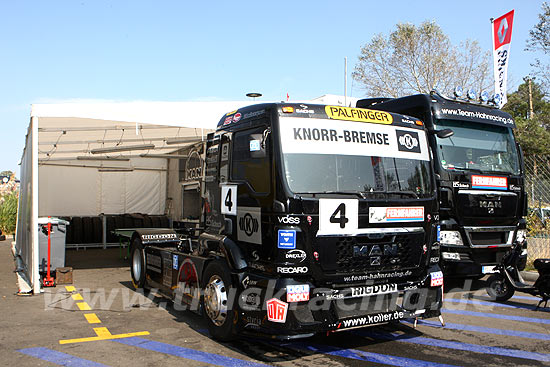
451	238
521	235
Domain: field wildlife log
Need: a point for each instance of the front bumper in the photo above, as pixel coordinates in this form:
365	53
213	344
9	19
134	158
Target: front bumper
329	310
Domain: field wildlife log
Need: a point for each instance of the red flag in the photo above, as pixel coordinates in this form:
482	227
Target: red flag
502	36
287	97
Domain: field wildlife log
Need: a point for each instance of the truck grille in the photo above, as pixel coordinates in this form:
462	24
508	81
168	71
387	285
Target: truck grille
364	254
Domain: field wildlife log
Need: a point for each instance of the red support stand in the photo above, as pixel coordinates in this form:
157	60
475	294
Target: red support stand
48	280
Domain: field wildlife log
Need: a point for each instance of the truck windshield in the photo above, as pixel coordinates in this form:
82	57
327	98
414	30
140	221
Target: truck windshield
477	147
333	173
322	156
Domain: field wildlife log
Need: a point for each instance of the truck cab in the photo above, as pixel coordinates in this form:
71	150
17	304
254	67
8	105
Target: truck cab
312	218
479	178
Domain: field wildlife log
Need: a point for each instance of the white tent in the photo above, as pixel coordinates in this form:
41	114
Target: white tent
62	176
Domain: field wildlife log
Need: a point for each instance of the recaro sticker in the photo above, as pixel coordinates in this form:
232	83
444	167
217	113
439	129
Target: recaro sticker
249	224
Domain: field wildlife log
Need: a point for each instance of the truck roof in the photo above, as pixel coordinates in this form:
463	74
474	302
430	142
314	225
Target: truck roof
443	108
245	115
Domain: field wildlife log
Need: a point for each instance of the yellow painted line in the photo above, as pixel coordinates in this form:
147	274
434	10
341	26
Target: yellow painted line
92	318
102	332
109	337
70	288
77	297
83	306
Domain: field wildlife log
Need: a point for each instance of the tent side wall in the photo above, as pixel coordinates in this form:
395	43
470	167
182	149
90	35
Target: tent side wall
26	244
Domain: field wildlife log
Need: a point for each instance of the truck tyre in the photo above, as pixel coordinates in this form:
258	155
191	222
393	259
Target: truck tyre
137	265
216	284
498	288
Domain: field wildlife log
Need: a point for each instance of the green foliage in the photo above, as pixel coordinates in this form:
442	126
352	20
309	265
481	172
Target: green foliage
533	134
416	59
8	213
6	173
539	41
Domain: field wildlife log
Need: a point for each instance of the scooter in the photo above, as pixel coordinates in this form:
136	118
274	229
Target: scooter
502	285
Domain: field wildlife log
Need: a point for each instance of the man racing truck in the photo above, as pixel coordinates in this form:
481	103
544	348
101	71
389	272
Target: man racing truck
310	218
478	166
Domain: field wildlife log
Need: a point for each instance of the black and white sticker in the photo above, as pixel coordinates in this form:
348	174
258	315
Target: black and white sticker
338	216
249	224
229	199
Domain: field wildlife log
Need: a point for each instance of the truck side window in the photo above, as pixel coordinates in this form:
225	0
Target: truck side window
248	164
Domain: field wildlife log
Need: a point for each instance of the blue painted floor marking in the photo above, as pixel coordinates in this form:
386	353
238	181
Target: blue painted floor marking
486	330
496	316
59	358
182	352
362	355
505	352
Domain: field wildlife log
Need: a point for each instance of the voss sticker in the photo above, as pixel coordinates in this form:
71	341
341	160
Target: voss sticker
338	216
396	214
229	199
489	182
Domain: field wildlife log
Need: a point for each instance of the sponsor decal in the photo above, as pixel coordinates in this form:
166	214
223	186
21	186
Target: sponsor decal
249	224
396	214
251	299
253	114
304	109
276	310
193	166
374	276
323	136
257	266
297	293
438	236
436	279
175	262
286	239
255	146
252	321
292	269
237	117
372	290
434	260
378	318
289	220
188	279
159	236
489	182
461	185
515	188
407	141
246	282
153	262
410	287
228	120
334	296
358	114
296	255
167	269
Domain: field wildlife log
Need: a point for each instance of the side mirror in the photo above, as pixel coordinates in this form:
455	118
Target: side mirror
445	133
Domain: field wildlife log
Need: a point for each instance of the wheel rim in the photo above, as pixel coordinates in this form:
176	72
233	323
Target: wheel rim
215	300
500	287
136	265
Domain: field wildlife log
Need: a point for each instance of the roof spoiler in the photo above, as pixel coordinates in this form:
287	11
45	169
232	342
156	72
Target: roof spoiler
365	103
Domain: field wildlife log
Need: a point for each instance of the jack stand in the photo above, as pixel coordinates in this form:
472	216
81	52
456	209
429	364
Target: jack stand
441	320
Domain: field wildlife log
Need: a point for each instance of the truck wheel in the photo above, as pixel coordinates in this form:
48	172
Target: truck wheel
137	266
216	285
498	288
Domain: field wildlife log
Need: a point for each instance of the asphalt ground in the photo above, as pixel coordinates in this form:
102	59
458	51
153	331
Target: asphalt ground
123	328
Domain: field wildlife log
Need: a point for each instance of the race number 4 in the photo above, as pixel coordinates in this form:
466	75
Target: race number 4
229	199
338	216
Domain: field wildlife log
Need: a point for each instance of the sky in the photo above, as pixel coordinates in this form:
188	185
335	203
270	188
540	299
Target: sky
55	51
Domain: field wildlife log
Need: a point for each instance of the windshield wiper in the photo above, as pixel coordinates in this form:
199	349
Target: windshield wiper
342	192
404	193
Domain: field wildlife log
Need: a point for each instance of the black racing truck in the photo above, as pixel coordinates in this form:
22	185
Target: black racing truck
309	218
478	166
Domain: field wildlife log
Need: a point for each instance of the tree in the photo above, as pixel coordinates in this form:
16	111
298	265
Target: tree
532	133
6	173
539	41
418	59
8	213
